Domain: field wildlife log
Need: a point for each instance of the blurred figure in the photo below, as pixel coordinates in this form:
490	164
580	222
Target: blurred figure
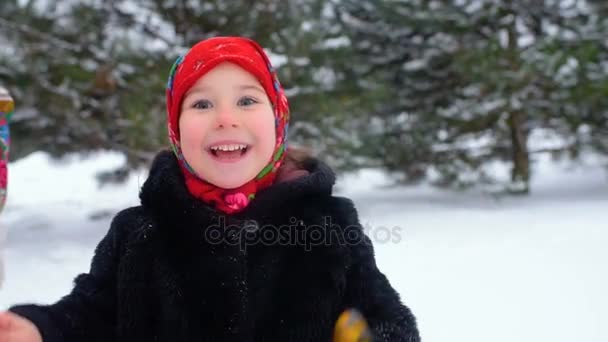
6	110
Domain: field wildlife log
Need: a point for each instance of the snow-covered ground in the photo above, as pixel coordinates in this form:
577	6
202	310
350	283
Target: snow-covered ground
472	267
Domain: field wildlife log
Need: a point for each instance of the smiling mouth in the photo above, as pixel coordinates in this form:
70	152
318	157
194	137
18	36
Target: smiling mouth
228	153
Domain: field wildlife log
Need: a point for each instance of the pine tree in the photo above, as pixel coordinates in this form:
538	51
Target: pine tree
468	83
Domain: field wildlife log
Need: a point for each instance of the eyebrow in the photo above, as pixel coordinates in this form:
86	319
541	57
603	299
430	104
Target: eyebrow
198	89
253	87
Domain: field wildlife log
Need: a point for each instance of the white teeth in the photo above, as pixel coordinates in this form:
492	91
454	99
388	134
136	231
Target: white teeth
228	147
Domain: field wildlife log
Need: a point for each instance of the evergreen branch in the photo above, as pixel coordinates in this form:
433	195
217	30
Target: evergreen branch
41	35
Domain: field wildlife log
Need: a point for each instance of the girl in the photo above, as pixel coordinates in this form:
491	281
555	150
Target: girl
235	238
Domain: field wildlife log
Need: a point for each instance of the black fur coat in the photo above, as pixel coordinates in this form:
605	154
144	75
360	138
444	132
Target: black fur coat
175	270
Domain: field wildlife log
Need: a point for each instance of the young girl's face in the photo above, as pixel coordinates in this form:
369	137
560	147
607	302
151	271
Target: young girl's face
227	126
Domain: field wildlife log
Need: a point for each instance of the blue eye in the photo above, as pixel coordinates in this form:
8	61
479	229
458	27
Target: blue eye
247	101
202	104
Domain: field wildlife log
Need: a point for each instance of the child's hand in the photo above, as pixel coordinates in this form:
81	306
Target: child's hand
14	328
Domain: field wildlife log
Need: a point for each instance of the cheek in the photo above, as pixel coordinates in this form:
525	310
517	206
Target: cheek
192	130
265	131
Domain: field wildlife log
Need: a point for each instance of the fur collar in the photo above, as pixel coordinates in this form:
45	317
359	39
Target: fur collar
165	191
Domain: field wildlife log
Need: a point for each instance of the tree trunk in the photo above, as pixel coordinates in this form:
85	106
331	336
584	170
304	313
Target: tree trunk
520	173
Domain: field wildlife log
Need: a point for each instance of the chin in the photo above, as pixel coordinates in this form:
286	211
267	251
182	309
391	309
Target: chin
228	183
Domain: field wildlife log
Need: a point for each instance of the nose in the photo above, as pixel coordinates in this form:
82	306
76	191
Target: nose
226	118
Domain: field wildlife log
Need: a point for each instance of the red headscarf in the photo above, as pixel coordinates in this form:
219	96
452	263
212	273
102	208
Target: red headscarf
187	69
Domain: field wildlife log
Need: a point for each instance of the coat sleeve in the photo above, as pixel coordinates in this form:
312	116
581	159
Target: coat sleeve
88	313
369	291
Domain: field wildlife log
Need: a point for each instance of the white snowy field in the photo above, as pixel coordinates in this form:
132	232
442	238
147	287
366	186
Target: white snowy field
470	266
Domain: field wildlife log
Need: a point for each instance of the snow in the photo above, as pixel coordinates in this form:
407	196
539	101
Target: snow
277	60
50	234
337	42
472	266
